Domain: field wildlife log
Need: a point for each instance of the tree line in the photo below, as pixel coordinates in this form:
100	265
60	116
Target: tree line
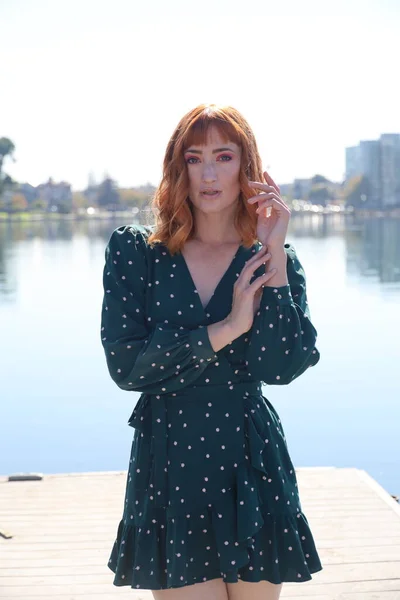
108	196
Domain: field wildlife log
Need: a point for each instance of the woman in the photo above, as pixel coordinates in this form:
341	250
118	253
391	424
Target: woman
199	310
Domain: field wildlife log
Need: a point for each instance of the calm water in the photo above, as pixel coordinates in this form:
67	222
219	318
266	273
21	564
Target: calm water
61	412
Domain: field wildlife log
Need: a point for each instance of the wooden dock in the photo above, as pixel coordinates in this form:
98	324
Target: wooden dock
63	528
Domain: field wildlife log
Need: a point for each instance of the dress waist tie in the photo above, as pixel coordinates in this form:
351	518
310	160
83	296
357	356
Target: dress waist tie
150	416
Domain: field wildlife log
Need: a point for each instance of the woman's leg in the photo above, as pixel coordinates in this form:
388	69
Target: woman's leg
248	590
214	589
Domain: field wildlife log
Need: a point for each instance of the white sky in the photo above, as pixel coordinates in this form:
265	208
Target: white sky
98	86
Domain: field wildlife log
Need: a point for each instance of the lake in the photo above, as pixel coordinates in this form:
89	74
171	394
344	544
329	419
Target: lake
61	412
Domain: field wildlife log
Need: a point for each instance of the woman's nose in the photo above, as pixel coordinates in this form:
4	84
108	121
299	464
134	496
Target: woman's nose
209	172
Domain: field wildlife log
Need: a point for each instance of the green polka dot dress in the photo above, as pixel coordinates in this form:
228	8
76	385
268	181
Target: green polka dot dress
211	490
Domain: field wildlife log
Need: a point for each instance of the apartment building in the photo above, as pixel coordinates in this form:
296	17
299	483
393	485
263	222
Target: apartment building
379	161
390	168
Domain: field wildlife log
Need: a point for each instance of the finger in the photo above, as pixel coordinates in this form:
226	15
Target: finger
252	265
262	186
257	255
269	180
267	191
272	202
258	197
254	262
263	197
259	281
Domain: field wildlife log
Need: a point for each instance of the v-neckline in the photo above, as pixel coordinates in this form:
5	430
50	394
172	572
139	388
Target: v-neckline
224	276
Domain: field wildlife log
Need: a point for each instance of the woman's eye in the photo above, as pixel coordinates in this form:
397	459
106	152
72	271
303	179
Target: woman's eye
223	156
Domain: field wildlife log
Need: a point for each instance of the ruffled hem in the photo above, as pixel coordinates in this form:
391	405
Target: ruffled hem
164	555
242	534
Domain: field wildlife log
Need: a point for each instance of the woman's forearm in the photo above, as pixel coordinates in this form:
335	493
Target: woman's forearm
278	261
221	334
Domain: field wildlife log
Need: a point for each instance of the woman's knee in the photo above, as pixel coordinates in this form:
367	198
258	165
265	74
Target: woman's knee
214	589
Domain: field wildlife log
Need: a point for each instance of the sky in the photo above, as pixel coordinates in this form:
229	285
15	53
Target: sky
97	87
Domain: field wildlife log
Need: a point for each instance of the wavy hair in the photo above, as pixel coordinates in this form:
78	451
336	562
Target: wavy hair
174	219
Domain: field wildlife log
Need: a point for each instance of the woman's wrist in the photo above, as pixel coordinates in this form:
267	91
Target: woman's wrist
222	333
277	261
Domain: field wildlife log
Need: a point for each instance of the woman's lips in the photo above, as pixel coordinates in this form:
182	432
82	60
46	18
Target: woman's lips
216	195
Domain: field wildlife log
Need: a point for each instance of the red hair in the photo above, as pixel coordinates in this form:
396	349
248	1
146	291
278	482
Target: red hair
174	222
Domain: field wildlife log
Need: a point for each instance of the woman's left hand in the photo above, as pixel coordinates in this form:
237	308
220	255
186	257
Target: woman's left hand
271	230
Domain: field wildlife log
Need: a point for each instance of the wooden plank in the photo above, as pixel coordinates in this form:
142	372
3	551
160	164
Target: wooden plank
337	504
385	595
61	595
77	519
336	591
64	527
350	573
60	550
45	561
73	592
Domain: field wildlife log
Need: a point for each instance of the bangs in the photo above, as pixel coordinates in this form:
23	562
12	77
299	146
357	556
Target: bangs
197	132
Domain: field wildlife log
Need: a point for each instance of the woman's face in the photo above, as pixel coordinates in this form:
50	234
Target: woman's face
215	166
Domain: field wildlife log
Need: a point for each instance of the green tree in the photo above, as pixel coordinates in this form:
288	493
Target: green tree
18	202
357	191
7	148
135	197
64	207
38	205
79	200
319	194
107	194
317	179
321	191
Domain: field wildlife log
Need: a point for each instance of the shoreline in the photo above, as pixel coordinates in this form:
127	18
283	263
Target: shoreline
104	216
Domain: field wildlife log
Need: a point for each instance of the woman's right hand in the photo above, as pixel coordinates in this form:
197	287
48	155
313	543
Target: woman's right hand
246	296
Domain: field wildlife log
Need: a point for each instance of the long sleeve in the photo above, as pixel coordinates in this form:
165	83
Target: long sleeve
282	338
157	358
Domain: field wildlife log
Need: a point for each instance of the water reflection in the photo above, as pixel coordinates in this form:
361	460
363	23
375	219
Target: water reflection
7	272
372	246
14	235
50	299
379	254
56	230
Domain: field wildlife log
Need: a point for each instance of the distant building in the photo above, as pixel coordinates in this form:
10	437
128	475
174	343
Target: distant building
285	188
390	173
297	190
370	157
353	162
301	188
379	161
56	196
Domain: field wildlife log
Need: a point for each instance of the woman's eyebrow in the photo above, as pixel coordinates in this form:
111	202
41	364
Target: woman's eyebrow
214	151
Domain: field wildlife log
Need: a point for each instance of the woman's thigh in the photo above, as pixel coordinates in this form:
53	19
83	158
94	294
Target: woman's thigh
214	589
248	590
